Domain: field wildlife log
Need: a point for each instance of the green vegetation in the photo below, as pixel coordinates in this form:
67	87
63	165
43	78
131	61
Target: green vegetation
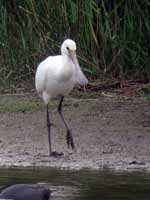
112	36
15	104
145	92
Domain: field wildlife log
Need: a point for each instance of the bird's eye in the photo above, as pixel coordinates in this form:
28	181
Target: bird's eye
67	48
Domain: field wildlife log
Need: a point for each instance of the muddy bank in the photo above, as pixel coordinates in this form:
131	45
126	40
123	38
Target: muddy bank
108	133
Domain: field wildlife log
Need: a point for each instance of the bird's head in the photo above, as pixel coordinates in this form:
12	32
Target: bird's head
68	47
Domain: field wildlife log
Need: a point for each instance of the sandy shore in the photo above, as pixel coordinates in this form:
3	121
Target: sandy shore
108	133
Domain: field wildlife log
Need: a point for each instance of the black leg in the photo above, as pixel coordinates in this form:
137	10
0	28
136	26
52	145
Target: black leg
49	124
49	130
69	136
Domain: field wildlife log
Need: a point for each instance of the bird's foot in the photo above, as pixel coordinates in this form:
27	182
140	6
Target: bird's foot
69	139
56	154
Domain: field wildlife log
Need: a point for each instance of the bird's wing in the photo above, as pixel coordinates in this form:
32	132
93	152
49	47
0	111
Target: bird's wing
47	69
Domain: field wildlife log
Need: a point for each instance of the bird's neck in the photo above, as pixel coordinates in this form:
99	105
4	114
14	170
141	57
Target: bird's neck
67	67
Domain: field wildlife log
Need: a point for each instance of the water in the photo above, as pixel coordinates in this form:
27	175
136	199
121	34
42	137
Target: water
81	185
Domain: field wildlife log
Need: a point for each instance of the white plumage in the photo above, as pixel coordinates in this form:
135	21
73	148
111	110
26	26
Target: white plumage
56	76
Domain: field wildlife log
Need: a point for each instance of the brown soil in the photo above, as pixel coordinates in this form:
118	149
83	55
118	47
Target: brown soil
109	133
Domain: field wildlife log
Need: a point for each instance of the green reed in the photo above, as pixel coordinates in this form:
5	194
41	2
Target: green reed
112	36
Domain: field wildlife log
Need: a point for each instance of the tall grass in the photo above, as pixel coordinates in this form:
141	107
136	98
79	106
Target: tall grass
112	36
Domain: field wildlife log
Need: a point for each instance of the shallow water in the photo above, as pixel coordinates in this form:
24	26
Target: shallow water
80	185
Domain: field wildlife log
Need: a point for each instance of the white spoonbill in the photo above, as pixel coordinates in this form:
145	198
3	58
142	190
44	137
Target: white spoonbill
55	77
